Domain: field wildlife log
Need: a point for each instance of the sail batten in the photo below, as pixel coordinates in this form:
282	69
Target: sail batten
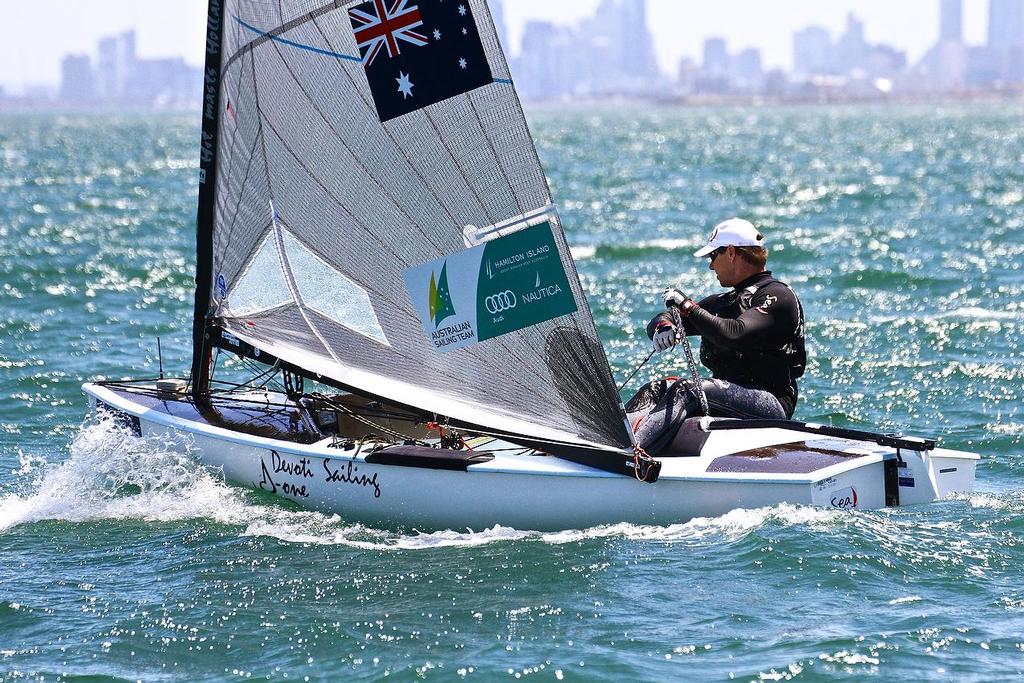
370	178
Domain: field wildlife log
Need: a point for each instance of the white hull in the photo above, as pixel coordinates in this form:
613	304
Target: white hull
546	493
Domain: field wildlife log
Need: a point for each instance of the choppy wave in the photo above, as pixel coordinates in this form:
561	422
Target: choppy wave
582	252
899	230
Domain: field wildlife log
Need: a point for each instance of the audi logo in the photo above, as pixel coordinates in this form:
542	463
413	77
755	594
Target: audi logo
498	303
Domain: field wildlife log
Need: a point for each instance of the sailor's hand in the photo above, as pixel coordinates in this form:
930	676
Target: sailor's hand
674	297
664	337
677	299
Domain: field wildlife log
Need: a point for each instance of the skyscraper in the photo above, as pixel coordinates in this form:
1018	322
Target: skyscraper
1006	38
542	69
716	58
951	21
748	71
610	52
813	53
637	46
852	49
76	83
114	66
1005	23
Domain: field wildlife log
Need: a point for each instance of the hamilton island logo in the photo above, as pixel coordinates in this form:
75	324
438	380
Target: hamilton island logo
441	307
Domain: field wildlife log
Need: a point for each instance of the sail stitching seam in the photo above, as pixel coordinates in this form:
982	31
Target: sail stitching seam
231	157
270	191
293	287
271	34
458	168
234	216
512	353
442	373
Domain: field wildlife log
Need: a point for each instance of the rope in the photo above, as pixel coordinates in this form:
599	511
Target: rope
642	463
638	368
698	387
340	407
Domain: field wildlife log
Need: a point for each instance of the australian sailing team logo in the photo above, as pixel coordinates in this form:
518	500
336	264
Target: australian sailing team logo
450	331
441	306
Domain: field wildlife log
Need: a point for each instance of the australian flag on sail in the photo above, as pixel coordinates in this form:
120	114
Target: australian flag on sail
418	52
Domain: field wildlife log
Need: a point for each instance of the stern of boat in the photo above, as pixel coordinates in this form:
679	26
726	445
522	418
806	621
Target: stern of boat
841	468
937	474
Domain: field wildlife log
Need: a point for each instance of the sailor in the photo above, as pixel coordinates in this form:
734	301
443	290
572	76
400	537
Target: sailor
752	341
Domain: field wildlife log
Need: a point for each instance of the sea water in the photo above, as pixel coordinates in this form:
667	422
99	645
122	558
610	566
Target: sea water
902	230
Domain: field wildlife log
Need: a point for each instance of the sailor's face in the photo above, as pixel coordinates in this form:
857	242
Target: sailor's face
723	263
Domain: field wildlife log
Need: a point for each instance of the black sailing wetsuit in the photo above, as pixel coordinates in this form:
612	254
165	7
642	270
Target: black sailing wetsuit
753	339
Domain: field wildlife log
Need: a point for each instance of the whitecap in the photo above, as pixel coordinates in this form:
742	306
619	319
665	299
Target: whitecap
964	313
909	599
307	528
583	252
668	244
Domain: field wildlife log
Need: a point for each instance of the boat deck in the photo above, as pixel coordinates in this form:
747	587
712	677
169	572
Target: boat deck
255	414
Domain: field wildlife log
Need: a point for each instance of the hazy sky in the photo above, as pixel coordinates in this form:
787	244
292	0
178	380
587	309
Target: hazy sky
37	33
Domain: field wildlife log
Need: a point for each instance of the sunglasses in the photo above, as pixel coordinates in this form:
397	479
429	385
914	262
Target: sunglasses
713	255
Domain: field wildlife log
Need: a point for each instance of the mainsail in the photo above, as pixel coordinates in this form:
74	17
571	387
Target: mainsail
373	172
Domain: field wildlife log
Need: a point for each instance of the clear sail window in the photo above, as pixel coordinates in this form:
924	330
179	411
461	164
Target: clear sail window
261	286
330	293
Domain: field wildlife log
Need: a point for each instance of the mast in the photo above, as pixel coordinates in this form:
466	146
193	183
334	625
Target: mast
201	345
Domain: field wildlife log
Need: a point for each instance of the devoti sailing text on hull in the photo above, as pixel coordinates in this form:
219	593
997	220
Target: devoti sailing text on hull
283	470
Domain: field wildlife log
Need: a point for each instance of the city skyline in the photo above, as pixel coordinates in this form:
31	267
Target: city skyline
679	30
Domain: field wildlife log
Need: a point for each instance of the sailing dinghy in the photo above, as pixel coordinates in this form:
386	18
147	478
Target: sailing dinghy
373	217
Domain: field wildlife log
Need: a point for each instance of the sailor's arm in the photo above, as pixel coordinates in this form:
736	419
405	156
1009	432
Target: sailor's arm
663	320
735	332
769	312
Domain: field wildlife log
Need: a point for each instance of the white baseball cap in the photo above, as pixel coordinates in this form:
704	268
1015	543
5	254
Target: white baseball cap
734	232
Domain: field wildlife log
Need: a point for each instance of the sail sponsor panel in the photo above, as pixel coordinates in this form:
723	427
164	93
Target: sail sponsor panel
499	287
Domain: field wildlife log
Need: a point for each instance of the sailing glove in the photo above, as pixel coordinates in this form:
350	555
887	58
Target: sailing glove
676	298
664	337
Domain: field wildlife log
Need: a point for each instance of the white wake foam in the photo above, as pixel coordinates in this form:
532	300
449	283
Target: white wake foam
111	474
727	528
583	252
